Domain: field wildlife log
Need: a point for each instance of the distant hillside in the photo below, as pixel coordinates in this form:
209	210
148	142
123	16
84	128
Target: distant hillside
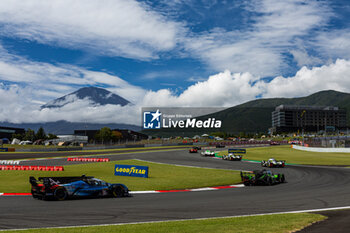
97	96
64	127
255	116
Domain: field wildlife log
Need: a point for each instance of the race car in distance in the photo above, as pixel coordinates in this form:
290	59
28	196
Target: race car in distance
232	157
220	146
273	163
263	177
208	153
193	150
61	188
197	147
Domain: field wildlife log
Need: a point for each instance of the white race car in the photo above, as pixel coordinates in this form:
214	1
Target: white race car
208	153
232	157
273	163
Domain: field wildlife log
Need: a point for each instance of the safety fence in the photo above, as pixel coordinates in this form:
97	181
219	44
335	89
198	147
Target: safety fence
31	168
79	159
9	162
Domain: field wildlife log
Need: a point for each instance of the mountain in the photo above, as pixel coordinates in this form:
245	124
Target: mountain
98	96
255	116
64	127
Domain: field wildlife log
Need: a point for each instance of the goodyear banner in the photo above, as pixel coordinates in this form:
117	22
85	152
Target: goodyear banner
237	151
131	170
4	149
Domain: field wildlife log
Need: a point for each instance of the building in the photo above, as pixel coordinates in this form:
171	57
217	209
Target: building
289	118
6	132
125	135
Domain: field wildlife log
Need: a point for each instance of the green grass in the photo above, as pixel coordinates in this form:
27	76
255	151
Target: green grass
34	146
161	176
258	224
101	150
294	156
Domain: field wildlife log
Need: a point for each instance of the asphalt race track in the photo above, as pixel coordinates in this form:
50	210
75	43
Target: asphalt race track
307	187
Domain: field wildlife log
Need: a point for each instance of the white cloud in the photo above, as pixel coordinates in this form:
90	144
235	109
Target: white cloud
223	89
48	81
112	27
260	48
303	58
308	81
334	43
229	89
26	85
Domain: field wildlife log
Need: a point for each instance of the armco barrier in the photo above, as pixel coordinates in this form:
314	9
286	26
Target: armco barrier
9	162
321	149
134	146
31	168
79	159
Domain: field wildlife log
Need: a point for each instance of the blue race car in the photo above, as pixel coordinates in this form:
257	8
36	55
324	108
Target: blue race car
61	188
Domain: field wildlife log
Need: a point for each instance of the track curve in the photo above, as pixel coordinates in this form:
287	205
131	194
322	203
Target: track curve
308	187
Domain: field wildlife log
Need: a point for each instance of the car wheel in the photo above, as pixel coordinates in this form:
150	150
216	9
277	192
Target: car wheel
35	196
269	181
283	179
118	192
60	194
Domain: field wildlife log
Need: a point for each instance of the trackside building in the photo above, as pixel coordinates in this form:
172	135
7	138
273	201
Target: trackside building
290	118
6	132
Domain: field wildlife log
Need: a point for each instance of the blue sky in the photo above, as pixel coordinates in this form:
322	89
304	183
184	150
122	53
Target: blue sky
170	53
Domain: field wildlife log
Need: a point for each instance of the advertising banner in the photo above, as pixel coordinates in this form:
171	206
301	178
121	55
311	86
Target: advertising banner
131	170
237	151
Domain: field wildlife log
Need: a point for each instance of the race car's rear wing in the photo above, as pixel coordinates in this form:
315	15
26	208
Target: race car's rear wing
247	173
48	181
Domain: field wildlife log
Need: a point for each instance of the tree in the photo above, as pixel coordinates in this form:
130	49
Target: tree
116	135
40	134
17	136
51	136
29	135
104	135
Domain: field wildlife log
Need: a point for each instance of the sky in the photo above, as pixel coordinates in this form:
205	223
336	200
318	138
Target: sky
191	53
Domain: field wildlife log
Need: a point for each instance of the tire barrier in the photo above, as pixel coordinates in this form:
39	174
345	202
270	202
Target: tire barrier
9	162
78	159
31	168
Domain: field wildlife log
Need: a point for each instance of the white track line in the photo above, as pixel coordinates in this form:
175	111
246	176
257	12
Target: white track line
180	165
178	220
158	191
99	155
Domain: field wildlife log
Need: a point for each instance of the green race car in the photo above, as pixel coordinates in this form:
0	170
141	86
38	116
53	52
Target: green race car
261	177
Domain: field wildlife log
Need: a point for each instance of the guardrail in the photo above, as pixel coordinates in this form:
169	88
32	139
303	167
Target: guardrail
9	162
31	168
79	159
321	149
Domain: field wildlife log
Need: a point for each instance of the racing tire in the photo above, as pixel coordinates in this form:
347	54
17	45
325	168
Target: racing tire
60	194
283	179
118	192
263	163
246	183
35	196
269	181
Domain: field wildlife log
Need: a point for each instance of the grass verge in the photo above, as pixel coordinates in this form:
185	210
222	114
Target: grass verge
98	150
161	176
258	224
293	156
